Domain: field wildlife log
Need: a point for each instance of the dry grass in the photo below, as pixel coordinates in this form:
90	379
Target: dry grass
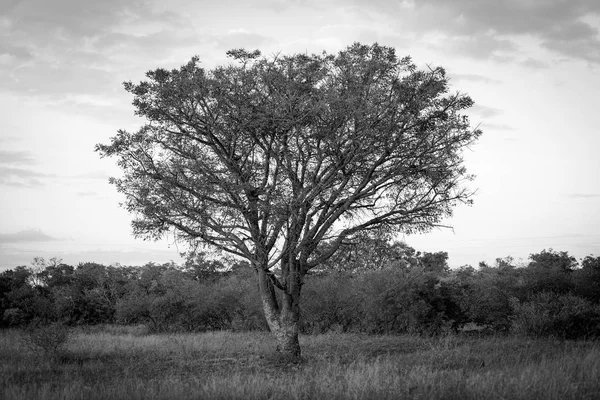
118	363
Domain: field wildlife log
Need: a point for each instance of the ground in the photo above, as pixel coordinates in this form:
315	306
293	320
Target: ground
125	363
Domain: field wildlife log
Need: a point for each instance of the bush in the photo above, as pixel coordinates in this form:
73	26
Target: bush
387	301
173	302
561	315
413	301
330	303
51	338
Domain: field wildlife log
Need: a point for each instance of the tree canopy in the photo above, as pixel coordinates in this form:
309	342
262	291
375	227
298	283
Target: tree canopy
276	155
282	159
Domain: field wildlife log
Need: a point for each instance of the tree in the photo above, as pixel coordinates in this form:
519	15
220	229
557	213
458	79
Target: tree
281	160
39	266
487	292
587	279
56	275
553	260
435	262
12	281
201	268
368	252
550	271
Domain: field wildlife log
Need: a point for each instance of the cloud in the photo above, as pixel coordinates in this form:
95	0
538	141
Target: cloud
22	177
479	46
78	18
89	100
496	127
92	175
26	236
15	170
585	48
489	26
87	194
583	195
277	5
16	157
534	64
473	78
240	38
12	54
81	51
486	112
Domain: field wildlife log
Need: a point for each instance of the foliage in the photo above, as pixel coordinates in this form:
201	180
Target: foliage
486	293
586	281
242	149
282	160
551	314
406	293
411	301
331	303
370	251
171	300
381	302
553	260
50	338
550	270
201	268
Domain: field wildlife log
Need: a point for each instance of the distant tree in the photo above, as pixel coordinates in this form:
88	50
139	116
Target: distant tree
550	271
464	272
591	264
39	266
57	275
24	297
274	159
202	268
81	295
506	264
587	279
551	314
13	280
434	262
553	260
487	292
369	251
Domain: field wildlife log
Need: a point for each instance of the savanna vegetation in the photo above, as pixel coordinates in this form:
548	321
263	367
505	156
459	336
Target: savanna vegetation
108	362
401	324
301	168
393	289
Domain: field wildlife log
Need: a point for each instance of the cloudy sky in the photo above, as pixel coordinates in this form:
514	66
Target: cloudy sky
532	67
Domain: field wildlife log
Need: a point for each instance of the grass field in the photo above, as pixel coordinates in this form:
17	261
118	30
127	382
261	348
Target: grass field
124	363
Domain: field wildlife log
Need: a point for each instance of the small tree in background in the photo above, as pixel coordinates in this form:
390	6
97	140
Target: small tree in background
49	338
550	271
564	316
282	160
587	279
368	251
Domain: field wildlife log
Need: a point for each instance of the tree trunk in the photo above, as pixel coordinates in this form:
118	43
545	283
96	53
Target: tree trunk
287	338
283	319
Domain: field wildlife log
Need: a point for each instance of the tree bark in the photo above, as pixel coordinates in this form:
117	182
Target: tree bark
282	317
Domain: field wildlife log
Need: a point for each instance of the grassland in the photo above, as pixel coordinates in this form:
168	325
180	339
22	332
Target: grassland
119	363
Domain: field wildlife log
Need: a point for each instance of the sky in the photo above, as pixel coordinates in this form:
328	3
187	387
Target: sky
531	66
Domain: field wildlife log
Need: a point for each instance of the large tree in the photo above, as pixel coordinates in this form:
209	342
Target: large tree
280	160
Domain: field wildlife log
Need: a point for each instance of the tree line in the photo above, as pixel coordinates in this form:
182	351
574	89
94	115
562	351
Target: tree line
372	286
